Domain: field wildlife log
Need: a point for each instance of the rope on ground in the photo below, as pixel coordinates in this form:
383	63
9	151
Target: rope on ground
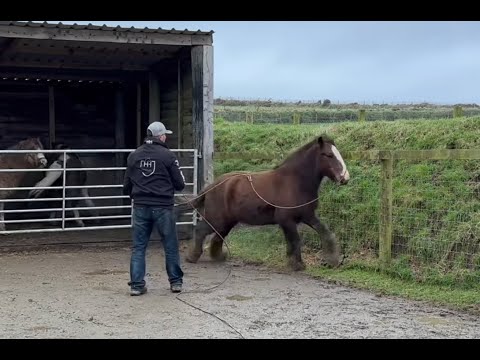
211	288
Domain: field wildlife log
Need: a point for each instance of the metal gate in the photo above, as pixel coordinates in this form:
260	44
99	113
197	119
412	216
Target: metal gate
28	217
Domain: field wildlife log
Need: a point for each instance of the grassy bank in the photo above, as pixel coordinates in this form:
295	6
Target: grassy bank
436	232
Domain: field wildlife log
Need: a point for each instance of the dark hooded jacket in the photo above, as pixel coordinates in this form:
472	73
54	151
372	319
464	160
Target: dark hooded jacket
153	175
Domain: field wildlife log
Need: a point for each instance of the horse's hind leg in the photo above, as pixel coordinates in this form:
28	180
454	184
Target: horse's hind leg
216	244
294	250
201	231
332	252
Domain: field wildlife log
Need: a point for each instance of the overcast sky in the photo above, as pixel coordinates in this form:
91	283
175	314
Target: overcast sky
359	61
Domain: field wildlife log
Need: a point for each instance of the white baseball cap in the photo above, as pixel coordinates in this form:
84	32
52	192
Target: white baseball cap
157	128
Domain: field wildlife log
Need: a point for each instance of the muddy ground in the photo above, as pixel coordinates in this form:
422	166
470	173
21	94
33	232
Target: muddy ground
83	293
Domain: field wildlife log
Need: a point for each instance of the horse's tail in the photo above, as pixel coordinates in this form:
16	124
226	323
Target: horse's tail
188	202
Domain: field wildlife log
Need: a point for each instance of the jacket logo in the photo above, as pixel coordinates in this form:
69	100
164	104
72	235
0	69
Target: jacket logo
147	167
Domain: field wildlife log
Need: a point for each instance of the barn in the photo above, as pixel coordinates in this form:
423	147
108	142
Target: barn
97	87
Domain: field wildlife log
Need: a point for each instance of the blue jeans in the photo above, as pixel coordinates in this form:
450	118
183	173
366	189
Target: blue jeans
144	219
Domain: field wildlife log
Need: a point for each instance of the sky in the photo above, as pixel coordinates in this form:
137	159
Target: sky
343	61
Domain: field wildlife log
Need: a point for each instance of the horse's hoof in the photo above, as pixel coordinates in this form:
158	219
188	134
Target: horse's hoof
297	265
333	261
219	257
192	259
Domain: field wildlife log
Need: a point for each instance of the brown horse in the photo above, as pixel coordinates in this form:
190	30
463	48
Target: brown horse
18	161
286	195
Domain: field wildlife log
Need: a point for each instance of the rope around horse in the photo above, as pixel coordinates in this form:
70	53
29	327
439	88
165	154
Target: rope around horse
249	177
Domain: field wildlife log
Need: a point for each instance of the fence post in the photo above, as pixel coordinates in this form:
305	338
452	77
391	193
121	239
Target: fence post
386	201
296	118
457	111
361	115
248	117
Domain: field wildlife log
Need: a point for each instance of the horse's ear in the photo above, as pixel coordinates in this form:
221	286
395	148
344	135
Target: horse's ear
320	140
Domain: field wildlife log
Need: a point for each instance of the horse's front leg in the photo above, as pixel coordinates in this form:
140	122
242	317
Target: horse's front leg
332	251
294	246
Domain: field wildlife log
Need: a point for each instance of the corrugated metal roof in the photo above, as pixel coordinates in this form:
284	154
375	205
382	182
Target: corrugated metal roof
104	27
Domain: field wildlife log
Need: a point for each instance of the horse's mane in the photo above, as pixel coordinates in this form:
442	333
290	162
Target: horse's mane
300	152
22	145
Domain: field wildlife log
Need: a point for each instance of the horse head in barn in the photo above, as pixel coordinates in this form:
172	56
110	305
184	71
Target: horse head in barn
12	179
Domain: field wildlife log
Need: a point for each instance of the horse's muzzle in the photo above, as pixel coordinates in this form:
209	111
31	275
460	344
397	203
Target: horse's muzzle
344	178
43	162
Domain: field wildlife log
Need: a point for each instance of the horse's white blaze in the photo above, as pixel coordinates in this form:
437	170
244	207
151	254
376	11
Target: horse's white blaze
345	173
42	159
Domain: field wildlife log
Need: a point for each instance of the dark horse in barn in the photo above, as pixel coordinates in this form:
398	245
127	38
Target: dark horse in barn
73	178
286	195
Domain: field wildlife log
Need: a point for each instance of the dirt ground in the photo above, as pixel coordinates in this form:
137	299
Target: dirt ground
83	293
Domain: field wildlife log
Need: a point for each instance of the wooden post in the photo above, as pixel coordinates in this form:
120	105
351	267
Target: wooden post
202	91
361	115
139	115
51	115
457	111
119	138
179	105
296	118
248	117
386	197
153	98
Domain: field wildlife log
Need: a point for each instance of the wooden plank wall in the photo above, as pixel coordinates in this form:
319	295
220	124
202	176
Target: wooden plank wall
169	100
23	113
187	103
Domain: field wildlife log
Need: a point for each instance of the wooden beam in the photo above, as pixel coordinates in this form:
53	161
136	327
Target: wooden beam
72	62
119	136
202	76
23	95
6	44
153	98
440	154
124	37
56	47
179	105
66	74
139	114
371	155
51	115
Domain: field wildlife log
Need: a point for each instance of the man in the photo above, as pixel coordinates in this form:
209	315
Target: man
151	178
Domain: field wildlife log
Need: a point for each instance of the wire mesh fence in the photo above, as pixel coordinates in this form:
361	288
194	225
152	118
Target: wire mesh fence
436	215
433	231
351	211
315	116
